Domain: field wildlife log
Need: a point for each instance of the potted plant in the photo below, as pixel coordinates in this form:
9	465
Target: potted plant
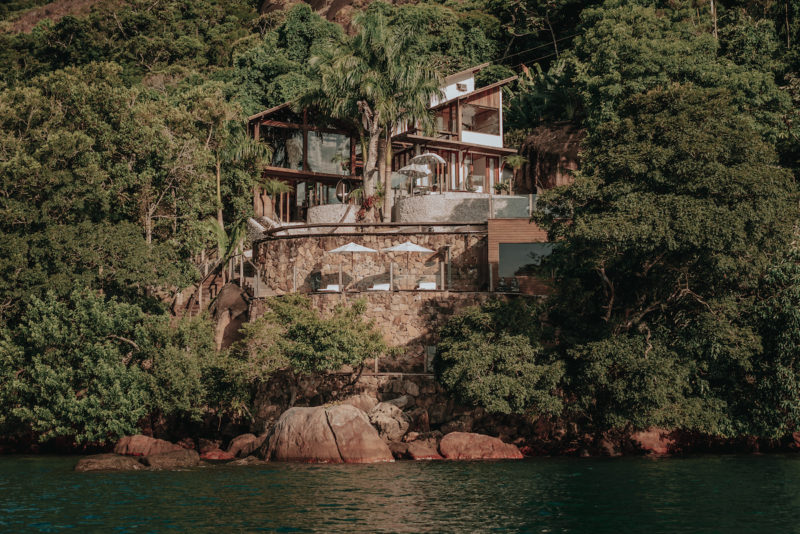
501	188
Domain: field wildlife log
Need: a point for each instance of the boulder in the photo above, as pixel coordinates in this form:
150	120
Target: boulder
217	455
362	401
108	462
206	445
401	402
391	422
422	450
468	446
246	444
462	423
337	434
140	445
172	460
655	441
399	449
357	441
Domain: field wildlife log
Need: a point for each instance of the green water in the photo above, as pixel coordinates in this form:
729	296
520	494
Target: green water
704	494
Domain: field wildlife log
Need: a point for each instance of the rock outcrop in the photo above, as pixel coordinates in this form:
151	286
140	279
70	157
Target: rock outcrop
246	444
217	455
391	422
468	446
140	445
654	441
422	450
336	434
108	462
172	460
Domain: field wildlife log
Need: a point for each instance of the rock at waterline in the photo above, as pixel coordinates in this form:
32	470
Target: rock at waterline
654	441
391	422
172	460
469	446
422	450
217	455
246	444
336	434
140	445
108	462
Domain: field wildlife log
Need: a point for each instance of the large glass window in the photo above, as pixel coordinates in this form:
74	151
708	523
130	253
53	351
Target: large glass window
523	259
446	122
328	153
480	119
287	146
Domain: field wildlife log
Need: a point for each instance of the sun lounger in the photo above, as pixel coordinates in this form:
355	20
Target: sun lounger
331	288
379	287
427	286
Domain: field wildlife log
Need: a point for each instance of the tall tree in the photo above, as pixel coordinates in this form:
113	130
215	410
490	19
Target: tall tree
674	221
371	77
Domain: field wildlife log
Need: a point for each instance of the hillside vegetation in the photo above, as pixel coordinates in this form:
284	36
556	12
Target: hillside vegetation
676	300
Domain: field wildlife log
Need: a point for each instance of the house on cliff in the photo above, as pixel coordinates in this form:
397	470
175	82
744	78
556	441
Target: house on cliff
321	159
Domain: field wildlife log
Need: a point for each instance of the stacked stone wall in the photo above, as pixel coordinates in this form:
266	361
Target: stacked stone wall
408	320
298	263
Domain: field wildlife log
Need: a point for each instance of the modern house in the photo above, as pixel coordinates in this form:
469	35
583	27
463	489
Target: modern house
456	200
314	154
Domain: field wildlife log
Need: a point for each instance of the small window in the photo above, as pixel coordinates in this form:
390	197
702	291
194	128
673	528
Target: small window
461	87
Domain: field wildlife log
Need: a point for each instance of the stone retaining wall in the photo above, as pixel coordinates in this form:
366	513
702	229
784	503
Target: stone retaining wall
292	264
408	319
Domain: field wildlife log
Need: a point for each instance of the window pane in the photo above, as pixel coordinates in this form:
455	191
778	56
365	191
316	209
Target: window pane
480	119
287	146
329	153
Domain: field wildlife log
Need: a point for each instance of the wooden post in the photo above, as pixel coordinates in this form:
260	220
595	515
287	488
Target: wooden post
441	275
449	270
491	277
340	278
530	204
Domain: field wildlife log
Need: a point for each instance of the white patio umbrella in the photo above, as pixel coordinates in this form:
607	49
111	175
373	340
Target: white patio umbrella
351	248
408	247
428	158
414	171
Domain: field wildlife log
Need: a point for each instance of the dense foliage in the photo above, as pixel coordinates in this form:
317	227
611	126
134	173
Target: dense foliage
492	357
675	303
89	369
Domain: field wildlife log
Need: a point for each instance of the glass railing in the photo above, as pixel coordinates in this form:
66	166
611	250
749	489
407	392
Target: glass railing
512	207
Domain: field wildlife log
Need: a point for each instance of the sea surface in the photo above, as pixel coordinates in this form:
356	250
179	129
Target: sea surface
726	494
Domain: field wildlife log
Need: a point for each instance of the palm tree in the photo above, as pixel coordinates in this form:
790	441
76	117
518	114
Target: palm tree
372	80
237	147
273	188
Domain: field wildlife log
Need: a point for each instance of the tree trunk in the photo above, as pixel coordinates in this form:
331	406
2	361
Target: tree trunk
714	17
387	176
219	192
371	163
148	227
552	34
786	19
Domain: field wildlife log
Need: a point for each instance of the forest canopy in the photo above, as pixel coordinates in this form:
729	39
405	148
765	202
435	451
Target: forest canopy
122	133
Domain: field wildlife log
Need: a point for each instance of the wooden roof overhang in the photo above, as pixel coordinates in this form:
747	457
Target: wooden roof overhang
475	93
309	176
435	142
